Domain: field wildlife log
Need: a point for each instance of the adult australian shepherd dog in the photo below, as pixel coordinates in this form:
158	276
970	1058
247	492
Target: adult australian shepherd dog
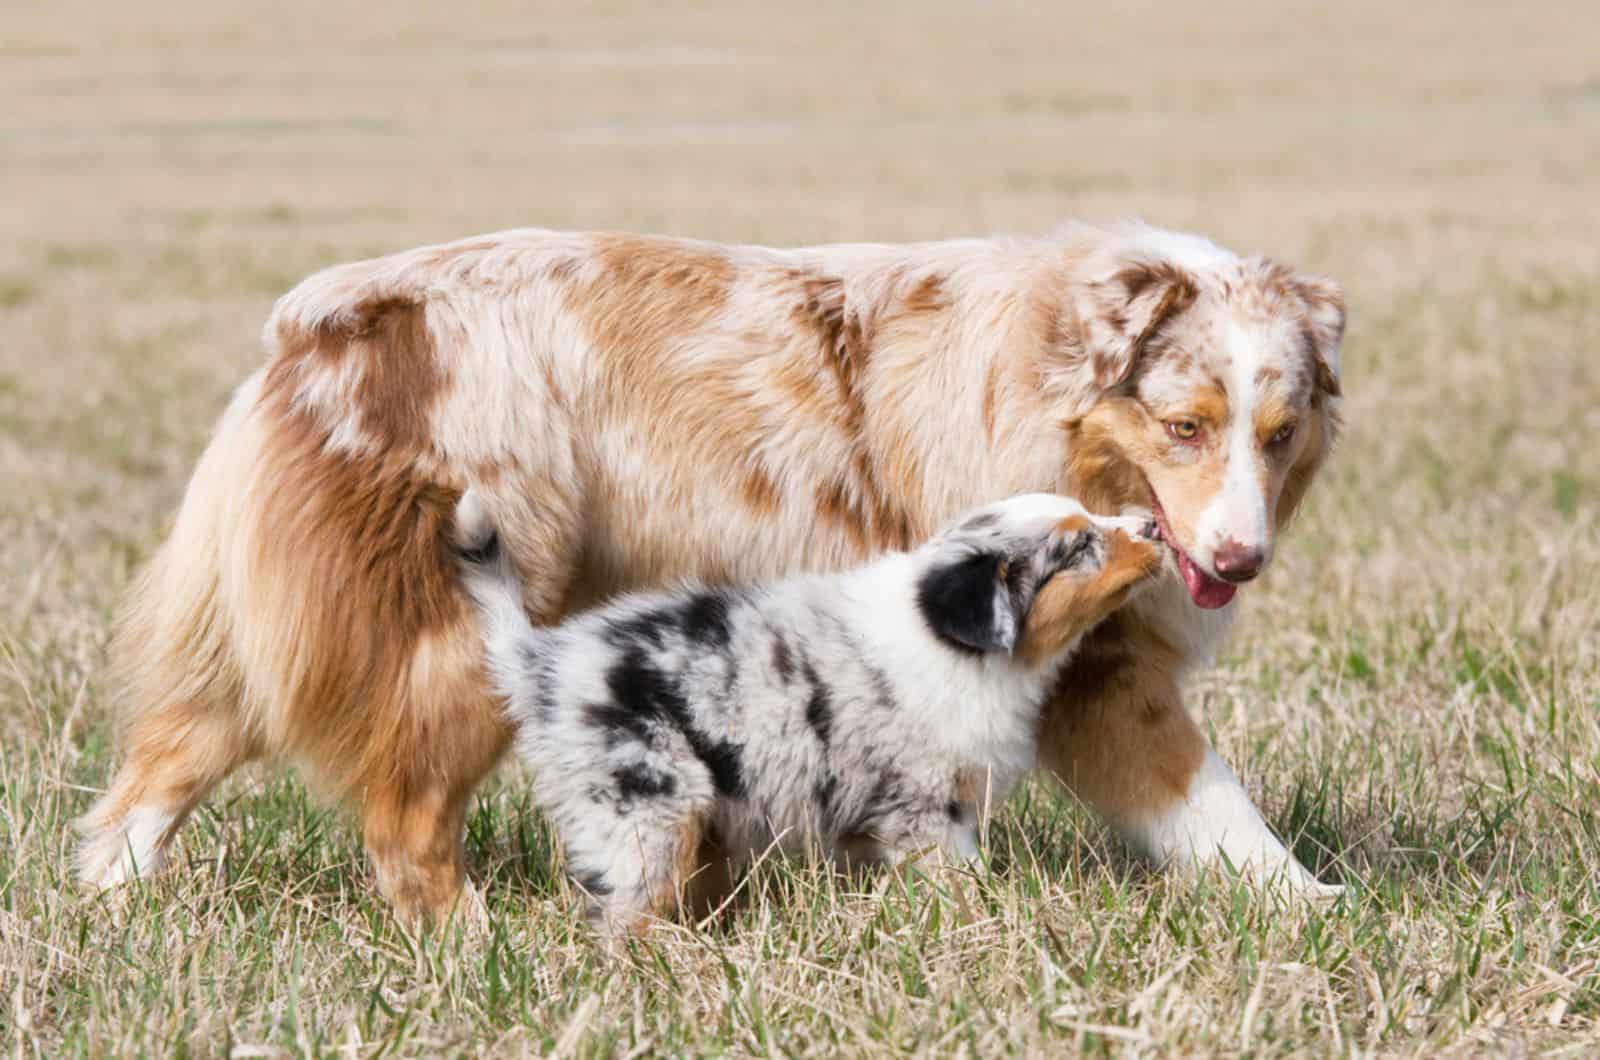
634	410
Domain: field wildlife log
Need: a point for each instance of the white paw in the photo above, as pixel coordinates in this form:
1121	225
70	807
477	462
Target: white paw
133	847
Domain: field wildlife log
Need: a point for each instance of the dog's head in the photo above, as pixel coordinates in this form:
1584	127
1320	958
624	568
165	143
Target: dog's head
1203	386
1028	575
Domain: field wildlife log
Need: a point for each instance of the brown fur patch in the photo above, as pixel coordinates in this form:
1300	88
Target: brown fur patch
1177	292
646	292
1100	472
968	786
928	296
698	875
759	492
1115	732
1206	403
1068	605
1272	415
1131	308
399	376
1324	328
991	396
858	503
565	269
841	334
871	522
383	693
647	297
1317	433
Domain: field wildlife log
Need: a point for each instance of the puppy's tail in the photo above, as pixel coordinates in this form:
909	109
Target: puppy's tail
496	588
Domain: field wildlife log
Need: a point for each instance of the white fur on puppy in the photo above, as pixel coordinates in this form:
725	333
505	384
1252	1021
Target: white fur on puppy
872	713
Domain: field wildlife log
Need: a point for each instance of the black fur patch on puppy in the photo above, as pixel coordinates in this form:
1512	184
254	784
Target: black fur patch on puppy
961	603
705	620
638	686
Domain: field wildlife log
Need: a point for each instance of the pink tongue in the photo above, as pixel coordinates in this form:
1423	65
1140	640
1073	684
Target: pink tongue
1204	590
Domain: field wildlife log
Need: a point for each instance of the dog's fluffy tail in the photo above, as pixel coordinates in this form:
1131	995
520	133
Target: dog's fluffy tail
495	587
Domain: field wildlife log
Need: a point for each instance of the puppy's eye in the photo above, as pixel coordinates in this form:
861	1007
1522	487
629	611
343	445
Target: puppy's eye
1073	550
1282	435
1183	430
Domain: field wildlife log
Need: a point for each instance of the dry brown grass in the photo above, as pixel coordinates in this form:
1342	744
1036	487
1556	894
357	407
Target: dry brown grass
1413	692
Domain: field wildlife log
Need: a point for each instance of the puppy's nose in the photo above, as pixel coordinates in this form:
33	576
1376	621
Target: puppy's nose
1236	562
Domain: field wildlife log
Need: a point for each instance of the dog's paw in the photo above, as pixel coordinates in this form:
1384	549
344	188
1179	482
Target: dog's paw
129	847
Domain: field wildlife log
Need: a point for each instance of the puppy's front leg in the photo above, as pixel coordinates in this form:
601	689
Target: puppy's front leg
945	833
961	838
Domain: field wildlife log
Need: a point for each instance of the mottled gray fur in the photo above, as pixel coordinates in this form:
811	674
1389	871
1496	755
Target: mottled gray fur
871	713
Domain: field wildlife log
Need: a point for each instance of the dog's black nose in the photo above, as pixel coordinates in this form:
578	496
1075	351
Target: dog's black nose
1236	562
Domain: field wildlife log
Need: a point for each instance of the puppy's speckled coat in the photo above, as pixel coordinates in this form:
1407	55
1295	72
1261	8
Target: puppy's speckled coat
873	712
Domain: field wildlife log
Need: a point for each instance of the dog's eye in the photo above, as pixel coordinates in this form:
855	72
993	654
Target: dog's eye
1183	430
1282	435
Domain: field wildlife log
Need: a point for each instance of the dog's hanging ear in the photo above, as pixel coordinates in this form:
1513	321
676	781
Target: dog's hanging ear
969	602
1324	327
1121	309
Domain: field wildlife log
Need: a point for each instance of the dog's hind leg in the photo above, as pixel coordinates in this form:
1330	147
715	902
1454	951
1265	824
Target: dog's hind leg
413	834
187	728
441	734
176	755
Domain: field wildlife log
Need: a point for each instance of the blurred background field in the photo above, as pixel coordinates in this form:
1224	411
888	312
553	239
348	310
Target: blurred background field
1413	692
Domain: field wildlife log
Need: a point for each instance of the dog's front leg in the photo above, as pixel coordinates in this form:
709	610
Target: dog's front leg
1215	819
1117	736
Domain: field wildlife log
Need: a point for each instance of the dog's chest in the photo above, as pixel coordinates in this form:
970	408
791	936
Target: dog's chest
1196	633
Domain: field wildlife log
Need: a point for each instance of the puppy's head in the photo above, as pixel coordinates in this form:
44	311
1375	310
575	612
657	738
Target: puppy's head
1028	575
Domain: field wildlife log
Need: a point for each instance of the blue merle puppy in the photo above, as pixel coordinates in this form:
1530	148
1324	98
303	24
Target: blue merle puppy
871	714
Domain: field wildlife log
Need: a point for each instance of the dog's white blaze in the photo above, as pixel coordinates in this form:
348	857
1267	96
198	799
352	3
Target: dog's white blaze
1218	816
1239	511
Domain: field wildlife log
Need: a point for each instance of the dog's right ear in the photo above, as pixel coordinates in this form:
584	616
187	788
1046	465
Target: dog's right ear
1120	310
967	602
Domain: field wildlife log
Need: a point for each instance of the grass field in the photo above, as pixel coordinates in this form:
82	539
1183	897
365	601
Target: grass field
1413	692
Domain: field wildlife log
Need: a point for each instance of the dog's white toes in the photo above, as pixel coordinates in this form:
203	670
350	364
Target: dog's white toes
134	846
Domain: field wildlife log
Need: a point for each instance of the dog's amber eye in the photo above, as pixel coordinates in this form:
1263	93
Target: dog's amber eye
1282	435
1183	430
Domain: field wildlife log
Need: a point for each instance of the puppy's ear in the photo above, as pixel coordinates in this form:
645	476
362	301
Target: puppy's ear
968	602
1324	327
1120	310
